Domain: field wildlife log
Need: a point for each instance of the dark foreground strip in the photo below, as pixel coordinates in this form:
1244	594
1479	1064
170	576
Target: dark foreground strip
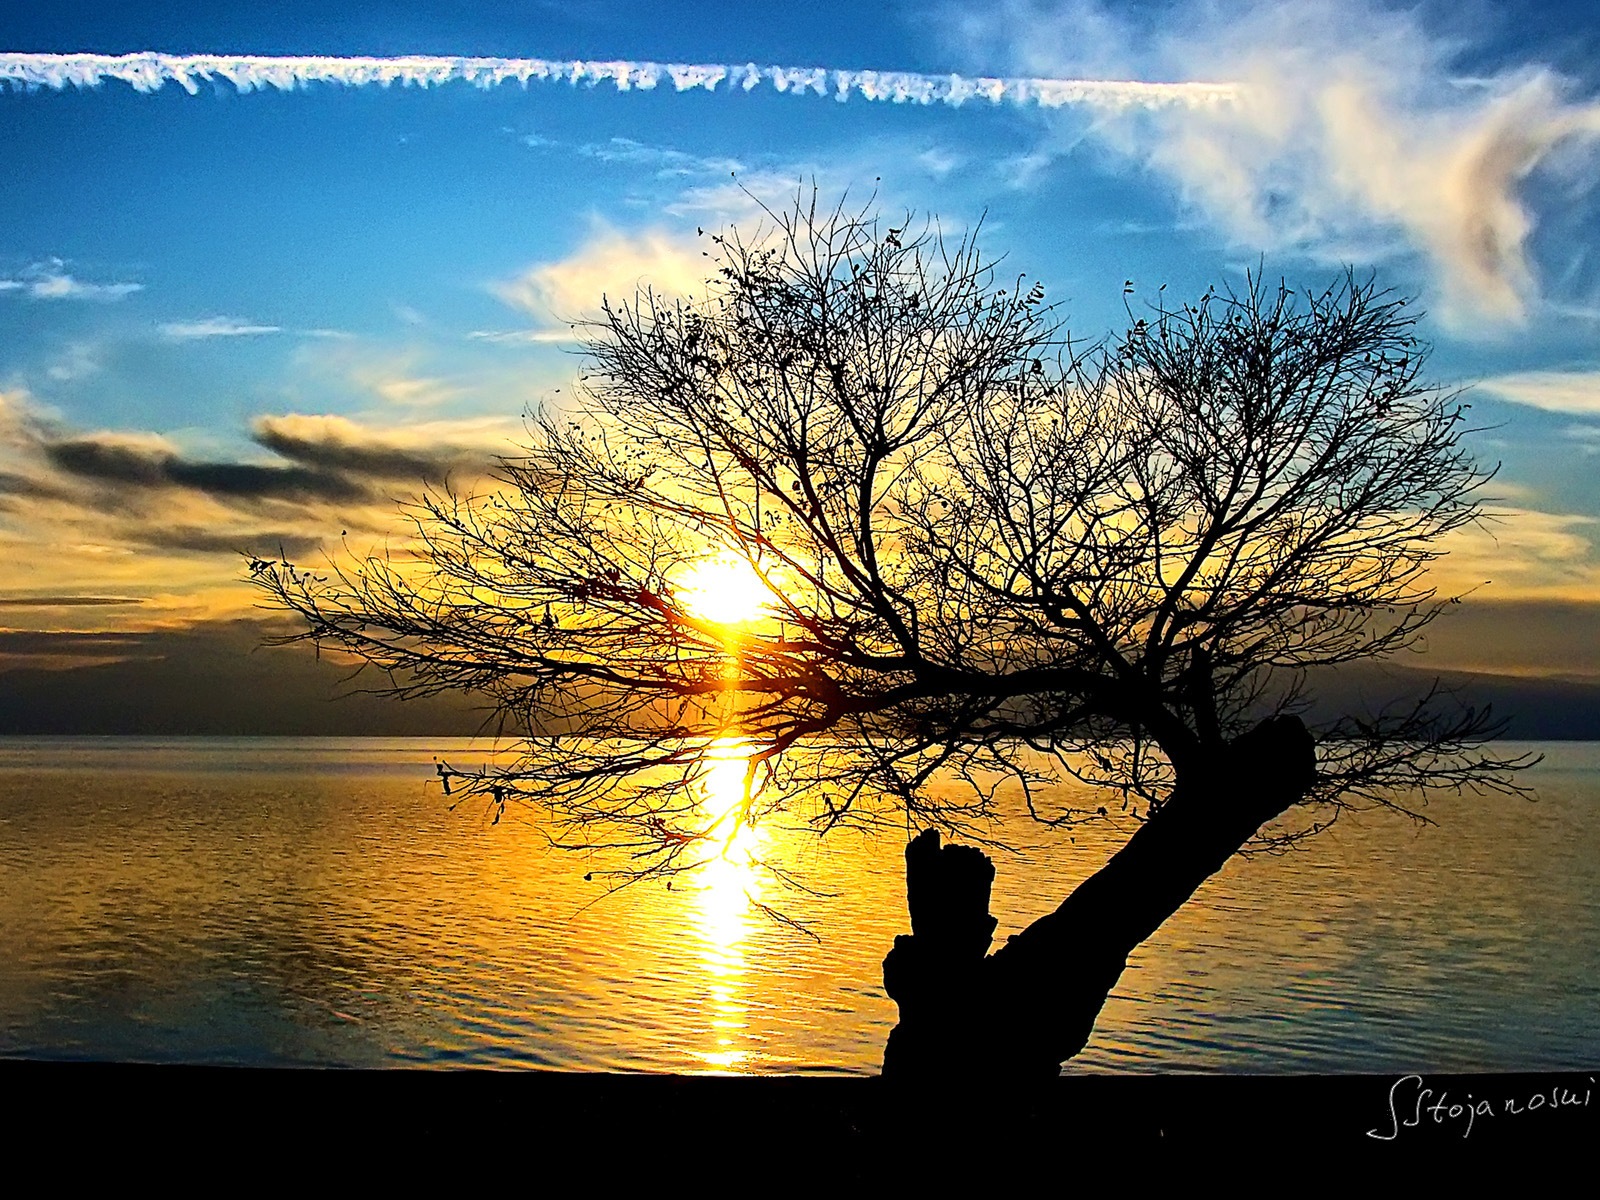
631	1131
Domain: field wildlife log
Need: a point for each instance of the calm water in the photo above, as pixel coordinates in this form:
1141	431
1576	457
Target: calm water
314	902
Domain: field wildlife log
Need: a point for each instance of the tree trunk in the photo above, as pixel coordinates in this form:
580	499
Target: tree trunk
1021	1012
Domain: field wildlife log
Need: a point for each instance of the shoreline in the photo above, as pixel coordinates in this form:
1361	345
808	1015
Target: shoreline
864	1120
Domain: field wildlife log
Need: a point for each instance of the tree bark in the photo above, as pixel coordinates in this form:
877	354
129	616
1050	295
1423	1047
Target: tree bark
1022	1011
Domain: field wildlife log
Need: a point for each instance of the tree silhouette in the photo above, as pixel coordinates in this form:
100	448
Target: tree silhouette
987	552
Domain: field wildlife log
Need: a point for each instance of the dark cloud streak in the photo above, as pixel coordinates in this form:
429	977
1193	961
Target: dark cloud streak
325	468
372	460
99	642
188	539
111	462
12	484
247	481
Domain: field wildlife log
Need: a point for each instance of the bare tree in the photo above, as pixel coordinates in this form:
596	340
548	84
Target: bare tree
987	552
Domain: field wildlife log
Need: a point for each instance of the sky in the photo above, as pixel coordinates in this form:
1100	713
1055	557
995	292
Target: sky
245	308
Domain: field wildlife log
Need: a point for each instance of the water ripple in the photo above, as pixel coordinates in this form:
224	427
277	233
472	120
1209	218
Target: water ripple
280	902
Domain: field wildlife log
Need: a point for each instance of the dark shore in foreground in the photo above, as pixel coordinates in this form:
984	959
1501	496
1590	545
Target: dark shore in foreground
783	1127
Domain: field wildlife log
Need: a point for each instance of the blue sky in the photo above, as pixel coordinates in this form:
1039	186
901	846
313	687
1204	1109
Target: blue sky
213	304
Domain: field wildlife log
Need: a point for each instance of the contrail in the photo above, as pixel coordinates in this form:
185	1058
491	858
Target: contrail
149	71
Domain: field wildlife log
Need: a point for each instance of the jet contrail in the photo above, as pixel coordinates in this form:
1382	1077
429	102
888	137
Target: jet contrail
149	71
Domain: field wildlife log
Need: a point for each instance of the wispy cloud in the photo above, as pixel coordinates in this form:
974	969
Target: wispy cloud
1520	554
1349	123
66	601
665	161
49	280
1586	438
1575	392
79	361
216	327
232	327
624	150
522	337
413	391
730	201
612	265
939	162
149	71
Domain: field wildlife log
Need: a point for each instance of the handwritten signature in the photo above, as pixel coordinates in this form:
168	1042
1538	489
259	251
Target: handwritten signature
1469	1110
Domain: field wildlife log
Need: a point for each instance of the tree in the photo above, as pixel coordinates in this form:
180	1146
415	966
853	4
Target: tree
986	552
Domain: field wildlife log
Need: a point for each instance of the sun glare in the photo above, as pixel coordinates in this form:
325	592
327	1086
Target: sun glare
724	589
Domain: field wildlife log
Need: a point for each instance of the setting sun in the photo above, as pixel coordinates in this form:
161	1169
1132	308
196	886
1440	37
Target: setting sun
724	589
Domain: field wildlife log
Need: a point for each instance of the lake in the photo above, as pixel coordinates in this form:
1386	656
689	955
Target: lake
315	902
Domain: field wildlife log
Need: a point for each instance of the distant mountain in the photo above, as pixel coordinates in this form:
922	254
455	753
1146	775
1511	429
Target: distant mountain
1534	708
216	679
219	679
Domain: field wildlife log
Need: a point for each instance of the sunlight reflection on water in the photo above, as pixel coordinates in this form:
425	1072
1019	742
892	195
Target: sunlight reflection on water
727	888
266	901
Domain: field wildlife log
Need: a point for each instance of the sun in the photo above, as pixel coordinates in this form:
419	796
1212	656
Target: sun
724	589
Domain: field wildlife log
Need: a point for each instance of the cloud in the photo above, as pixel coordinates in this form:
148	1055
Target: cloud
733	201
65	650
1575	392
145	463
939	162
215	327
134	515
611	264
412	391
411	383
12	484
1313	124
79	362
324	459
20	641
1587	437
110	458
149	72
65	601
337	444
1349	125
320	459
522	336
191	539
1520	554
1583	312
664	160
49	280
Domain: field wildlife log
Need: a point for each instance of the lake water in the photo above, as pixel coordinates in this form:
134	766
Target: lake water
278	902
